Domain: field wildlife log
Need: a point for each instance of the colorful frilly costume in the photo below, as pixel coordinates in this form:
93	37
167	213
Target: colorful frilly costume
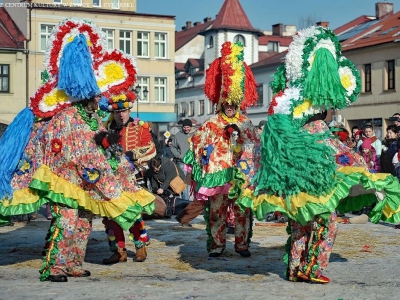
50	154
307	173
221	155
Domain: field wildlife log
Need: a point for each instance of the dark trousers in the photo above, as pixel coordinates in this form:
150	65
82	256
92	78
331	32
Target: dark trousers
191	211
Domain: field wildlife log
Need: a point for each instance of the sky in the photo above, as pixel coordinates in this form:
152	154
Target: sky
264	13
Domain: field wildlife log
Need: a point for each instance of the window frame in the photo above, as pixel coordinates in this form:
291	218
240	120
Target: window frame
42	34
367	78
201	107
237	37
5	76
159	43
391	76
211	42
210	109
125	40
106	30
144	82
158	86
260	93
191	109
143	42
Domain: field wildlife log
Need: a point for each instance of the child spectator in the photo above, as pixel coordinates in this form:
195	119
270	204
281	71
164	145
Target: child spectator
369	155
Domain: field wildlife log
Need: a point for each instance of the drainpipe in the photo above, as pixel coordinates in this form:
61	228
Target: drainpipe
27	51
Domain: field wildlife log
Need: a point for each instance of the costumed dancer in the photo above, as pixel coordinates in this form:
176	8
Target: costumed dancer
137	144
61	164
305	172
220	158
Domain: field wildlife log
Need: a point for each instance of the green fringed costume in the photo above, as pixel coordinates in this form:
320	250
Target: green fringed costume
305	172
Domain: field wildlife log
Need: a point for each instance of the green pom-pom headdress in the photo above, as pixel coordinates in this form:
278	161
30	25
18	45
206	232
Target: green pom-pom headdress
317	77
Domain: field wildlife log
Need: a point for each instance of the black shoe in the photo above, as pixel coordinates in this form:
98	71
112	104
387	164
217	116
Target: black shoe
214	254
230	230
57	278
85	273
244	253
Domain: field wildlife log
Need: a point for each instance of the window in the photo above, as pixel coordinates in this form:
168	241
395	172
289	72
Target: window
160	89
77	2
240	38
201	107
45	31
143	44
191	109
115	4
96	3
390	75
273	47
367	78
210	108
210	42
144	84
260	92
183	110
57	1
4	78
110	38
125	41
160	45
192	71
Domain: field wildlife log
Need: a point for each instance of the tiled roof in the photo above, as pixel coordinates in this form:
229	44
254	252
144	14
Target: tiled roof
353	24
185	36
232	16
276	59
196	62
382	31
283	40
265	54
179	66
10	36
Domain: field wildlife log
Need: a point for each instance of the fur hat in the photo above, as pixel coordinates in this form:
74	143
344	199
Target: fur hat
366	144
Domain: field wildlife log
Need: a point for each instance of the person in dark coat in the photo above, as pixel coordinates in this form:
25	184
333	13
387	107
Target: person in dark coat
164	171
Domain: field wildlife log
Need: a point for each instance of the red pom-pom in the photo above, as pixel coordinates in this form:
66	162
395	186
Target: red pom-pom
230	130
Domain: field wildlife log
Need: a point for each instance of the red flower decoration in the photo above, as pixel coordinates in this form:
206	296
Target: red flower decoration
56	145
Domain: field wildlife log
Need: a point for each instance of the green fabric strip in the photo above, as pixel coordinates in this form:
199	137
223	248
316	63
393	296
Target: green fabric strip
209	180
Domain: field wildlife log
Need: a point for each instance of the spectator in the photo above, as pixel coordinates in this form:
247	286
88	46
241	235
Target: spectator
167	150
260	127
395	119
369	155
389	149
180	146
375	142
180	143
164	171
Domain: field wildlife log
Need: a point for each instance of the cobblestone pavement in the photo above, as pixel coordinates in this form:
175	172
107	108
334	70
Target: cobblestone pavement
364	265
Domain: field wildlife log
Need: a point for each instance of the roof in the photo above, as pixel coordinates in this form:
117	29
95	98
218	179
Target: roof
283	40
179	66
232	16
196	62
353	24
273	60
265	54
10	36
185	36
375	32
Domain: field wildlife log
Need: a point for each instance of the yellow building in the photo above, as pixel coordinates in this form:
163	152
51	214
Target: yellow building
149	38
12	70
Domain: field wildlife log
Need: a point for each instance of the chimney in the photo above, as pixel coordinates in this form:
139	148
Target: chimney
323	24
188	24
382	9
277	29
196	23
183	27
207	19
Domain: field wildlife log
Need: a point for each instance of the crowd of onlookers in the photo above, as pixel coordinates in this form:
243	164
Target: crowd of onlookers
381	156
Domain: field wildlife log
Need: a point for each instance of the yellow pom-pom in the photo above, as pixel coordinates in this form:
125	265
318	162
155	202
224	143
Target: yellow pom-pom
126	104
111	238
141	123
130	236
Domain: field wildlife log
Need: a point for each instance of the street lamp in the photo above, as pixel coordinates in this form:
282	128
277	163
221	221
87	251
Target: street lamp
137	91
